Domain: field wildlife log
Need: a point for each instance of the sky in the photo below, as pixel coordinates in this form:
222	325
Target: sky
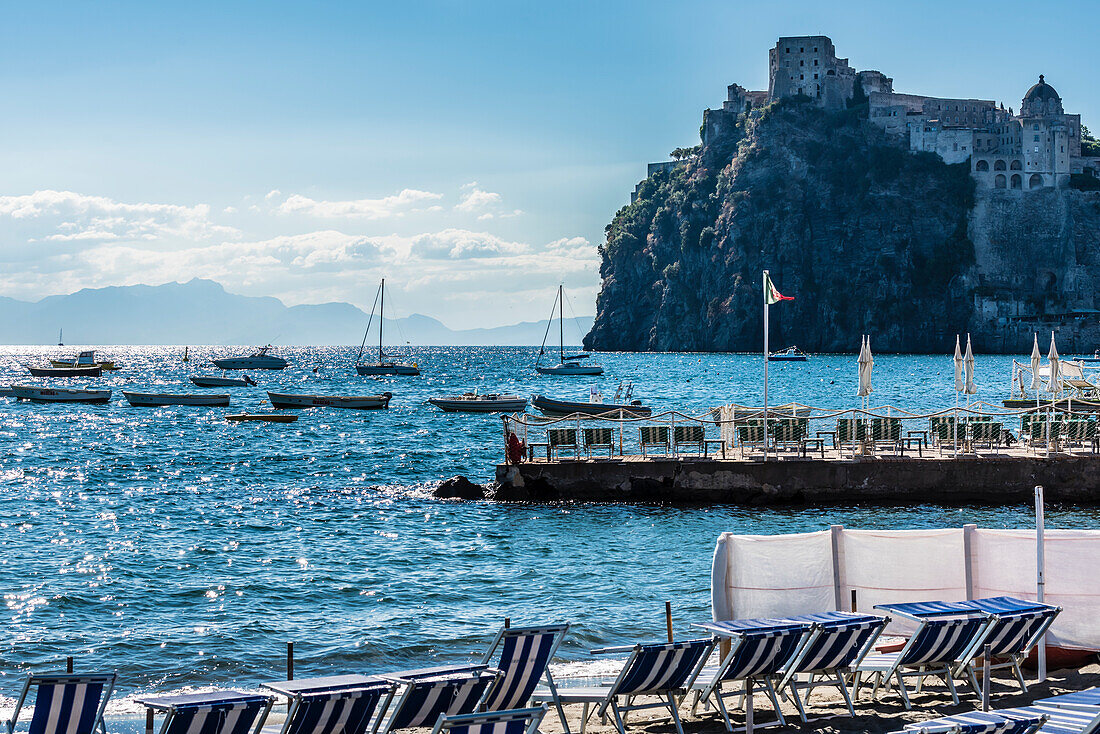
469	152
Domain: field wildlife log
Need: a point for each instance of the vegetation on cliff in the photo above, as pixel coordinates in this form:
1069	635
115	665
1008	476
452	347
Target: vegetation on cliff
868	237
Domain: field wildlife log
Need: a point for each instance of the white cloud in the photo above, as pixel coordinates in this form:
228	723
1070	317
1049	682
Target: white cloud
461	244
408	200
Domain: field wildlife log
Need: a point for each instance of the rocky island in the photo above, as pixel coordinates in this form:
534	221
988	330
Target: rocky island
907	217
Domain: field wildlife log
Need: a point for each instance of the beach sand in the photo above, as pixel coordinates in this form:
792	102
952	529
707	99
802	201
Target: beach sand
828	714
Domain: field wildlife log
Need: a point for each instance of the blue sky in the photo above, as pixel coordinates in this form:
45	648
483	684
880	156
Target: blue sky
472	152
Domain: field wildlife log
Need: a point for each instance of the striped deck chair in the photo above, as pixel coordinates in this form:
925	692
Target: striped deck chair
1059	720
663	671
979	722
759	651
514	721
224	712
425	699
342	704
523	655
1016	626
937	647
1086	699
65	703
837	644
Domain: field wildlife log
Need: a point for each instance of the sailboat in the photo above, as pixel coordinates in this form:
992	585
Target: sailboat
60	341
570	363
382	366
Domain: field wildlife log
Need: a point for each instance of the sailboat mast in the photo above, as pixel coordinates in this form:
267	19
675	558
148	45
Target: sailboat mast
561	322
381	318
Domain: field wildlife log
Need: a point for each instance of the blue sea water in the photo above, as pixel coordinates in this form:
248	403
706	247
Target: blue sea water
182	550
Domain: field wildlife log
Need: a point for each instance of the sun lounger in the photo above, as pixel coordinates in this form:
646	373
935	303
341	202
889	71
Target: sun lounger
514	721
65	703
662	671
836	645
339	704
523	655
426	696
980	722
223	712
1088	698
1059	720
1016	626
936	649
760	649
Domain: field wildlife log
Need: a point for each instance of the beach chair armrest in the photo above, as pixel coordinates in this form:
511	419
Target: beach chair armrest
617	650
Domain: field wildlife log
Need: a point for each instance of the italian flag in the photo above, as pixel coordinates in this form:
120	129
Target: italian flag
771	295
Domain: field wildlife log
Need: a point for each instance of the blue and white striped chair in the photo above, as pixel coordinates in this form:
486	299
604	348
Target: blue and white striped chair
331	705
65	703
224	712
514	721
979	722
1058	720
424	699
663	671
759	651
938	646
1016	626
1086	700
523	655
837	644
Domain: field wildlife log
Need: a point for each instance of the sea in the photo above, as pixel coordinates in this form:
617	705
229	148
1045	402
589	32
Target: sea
184	551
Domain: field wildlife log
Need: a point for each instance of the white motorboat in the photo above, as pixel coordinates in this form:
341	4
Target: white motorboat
354	402
383	366
790	354
473	402
210	381
59	395
153	399
85	359
258	360
570	364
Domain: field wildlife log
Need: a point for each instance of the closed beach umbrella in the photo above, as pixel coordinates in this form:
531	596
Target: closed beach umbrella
1036	358
866	362
970	387
1055	385
959	365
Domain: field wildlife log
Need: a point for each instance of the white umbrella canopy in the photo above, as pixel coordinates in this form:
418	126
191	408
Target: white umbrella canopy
1055	384
1036	358
969	388
866	362
959	364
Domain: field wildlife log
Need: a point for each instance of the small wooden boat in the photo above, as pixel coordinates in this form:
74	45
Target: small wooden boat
152	399
552	407
64	371
354	402
84	359
264	417
472	402
207	381
59	395
258	360
790	354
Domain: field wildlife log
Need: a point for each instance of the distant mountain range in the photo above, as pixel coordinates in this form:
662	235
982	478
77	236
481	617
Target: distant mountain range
202	312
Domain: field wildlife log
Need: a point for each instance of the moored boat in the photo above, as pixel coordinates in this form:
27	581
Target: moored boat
64	371
262	417
383	366
790	354
258	360
473	402
569	364
150	399
353	402
59	395
5	392
554	407
210	381
85	359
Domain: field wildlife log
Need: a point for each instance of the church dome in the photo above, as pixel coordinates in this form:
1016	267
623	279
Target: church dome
1041	99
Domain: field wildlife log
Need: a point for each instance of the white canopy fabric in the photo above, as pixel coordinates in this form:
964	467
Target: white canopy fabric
1055	384
969	388
866	362
959	364
1036	358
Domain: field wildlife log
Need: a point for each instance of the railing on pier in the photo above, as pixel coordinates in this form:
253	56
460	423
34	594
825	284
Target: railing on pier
739	432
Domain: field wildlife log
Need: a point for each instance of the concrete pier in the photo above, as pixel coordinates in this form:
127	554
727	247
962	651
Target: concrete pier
996	478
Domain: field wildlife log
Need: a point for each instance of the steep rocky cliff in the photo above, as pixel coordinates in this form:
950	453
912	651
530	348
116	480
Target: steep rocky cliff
869	238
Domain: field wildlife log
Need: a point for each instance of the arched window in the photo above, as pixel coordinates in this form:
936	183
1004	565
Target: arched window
999	166
1036	181
999	182
982	166
1016	166
1016	182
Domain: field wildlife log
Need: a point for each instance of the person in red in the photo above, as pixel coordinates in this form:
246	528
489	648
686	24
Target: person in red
516	449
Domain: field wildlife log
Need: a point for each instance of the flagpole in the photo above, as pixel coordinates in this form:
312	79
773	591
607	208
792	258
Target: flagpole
765	294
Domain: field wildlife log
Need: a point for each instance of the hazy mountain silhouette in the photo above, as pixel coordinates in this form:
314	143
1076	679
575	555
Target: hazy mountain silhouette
202	312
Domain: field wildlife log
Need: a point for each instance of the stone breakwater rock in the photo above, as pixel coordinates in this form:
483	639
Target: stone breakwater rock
459	488
868	237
